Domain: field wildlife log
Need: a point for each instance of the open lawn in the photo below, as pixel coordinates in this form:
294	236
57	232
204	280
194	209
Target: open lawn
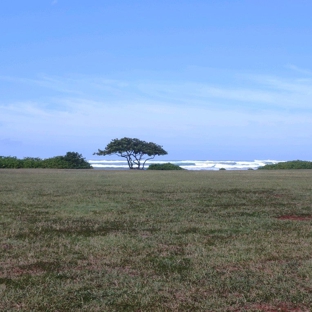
92	240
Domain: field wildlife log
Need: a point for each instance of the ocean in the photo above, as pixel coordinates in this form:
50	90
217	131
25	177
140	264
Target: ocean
188	164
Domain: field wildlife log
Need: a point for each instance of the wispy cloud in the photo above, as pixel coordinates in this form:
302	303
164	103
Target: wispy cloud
95	109
83	117
247	92
265	93
299	70
65	85
54	2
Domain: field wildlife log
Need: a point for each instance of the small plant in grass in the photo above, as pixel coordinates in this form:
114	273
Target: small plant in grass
166	166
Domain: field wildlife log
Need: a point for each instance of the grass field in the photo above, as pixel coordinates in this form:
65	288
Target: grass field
92	240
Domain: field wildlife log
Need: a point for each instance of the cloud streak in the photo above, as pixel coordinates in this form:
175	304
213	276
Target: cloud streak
299	70
88	110
250	92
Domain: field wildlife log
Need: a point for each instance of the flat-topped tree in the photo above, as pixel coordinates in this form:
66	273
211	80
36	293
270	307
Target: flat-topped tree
133	150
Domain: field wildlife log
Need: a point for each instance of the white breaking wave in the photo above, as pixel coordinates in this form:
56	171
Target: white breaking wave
189	164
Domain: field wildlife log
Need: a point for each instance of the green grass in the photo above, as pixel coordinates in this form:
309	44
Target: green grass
92	240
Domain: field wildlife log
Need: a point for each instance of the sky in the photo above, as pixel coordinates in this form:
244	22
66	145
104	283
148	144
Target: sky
205	79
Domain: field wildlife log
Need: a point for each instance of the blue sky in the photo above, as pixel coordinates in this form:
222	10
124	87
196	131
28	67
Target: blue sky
213	79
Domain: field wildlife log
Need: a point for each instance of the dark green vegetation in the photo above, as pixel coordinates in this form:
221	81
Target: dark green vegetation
95	240
294	164
166	166
133	150
71	160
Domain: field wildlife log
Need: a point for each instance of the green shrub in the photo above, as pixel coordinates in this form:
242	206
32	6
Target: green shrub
30	162
166	166
294	164
76	161
10	162
57	162
222	169
71	160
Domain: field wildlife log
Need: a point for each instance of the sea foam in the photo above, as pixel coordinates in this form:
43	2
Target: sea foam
189	164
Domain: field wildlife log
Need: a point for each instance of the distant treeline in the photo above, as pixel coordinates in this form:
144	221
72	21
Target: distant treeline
294	164
71	160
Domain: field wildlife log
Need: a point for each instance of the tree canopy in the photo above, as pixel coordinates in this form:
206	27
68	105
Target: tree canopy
134	150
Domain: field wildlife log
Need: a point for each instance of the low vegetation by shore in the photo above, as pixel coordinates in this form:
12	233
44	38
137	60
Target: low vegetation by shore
166	166
294	164
71	160
96	240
